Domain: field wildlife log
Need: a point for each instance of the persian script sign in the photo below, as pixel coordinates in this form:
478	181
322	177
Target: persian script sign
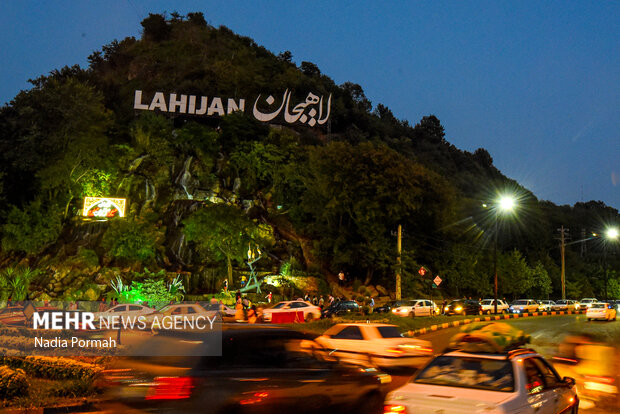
313	111
104	207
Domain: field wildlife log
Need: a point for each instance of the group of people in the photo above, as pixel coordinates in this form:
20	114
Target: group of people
245	310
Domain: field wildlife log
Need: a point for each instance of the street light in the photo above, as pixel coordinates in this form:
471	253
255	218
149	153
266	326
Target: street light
505	203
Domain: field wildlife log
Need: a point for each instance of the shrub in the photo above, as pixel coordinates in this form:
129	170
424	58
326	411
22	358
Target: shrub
13	382
53	368
130	240
30	229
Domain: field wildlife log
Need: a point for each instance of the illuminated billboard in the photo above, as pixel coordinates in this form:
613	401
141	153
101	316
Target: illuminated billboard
104	207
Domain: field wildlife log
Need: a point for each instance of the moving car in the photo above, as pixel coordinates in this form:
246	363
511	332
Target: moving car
508	381
565	305
488	306
374	344
524	306
415	307
261	370
309	310
389	306
463	307
189	310
340	308
601	310
224	310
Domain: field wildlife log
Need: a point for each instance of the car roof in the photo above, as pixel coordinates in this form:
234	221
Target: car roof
497	356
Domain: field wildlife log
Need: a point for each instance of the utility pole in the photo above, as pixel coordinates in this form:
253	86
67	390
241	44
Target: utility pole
398	261
563	237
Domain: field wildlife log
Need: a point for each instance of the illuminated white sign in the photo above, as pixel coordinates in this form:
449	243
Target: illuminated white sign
312	111
104	207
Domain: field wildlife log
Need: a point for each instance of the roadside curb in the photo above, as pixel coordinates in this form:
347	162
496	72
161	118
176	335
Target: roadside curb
71	408
446	325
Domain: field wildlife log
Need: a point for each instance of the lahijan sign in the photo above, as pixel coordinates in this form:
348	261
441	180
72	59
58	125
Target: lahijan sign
313	111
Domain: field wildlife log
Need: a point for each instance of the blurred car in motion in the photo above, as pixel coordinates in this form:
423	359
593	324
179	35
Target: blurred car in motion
415	307
340	308
17	317
601	310
524	306
480	378
387	307
8	314
261	370
488	306
565	305
310	312
586	303
463	307
373	344
178	311
595	366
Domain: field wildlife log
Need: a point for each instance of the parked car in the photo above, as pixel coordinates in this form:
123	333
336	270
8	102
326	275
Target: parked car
565	305
17	317
261	370
180	310
373	344
389	306
463	307
524	306
415	307
124	310
601	310
339	308
585	303
488	306
224	310
466	382
546	305
8	314
310	311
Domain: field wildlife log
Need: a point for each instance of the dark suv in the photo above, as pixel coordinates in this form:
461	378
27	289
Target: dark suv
261	370
340	308
463	307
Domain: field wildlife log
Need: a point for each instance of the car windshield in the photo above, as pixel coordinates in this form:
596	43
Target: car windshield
521	302
279	305
165	308
389	332
560	302
487	302
465	372
598	306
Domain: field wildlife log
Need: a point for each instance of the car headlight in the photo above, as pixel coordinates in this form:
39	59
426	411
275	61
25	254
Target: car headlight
446	308
458	309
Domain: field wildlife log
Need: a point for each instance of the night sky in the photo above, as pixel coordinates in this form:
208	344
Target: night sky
535	83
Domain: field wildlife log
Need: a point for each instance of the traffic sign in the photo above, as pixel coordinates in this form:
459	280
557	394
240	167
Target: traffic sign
437	280
422	271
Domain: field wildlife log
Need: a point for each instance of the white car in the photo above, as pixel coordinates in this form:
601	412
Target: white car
381	345
181	309
310	311
545	305
601	310
488	306
415	307
585	303
519	381
124	310
565	305
524	306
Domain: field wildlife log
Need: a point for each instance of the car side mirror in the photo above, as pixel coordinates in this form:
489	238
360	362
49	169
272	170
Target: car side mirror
568	381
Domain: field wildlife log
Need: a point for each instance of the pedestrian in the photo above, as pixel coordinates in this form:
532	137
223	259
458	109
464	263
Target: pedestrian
225	284
307	298
243	280
321	302
102	305
372	303
341	278
315	301
252	314
238	296
239	316
269	297
330	300
443	306
245	302
213	300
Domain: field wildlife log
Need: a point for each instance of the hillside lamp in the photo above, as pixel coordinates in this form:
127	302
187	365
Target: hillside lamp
504	204
611	235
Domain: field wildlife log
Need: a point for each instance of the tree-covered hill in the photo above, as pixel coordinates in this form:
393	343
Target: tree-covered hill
316	198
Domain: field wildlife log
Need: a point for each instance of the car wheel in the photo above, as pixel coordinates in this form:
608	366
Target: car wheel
480	312
369	404
504	312
411	314
309	317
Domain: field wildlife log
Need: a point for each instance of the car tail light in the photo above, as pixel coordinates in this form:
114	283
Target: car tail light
394	409
396	351
171	388
601	384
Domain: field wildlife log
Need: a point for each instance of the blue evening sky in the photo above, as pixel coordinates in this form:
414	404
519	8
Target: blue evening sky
536	83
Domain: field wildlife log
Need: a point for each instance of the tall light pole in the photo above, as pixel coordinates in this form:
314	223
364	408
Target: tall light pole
504	204
611	234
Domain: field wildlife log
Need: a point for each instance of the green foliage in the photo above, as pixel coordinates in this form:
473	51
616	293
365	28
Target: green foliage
30	229
131	240
52	368
15	281
149	287
224	233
